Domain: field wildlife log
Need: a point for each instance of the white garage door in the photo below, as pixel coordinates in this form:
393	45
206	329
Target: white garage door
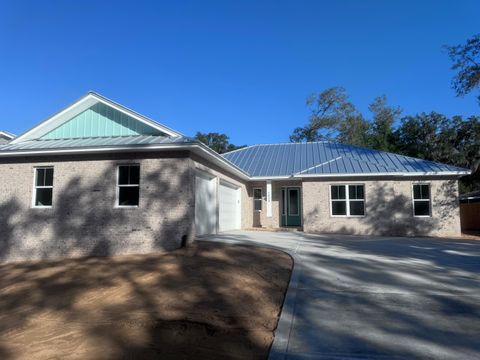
205	204
229	207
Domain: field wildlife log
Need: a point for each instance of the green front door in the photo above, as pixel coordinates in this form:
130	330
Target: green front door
291	209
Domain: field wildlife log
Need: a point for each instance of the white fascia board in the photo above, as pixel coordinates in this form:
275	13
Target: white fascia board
264	178
393	174
57	119
199	149
220	160
78	107
7	135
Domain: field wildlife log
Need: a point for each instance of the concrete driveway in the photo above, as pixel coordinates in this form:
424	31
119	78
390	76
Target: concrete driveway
354	297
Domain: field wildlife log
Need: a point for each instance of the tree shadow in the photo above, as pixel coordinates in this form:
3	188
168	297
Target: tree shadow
205	301
388	213
415	298
84	220
197	302
386	297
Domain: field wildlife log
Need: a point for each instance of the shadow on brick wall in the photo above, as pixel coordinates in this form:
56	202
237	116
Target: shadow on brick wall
84	221
391	214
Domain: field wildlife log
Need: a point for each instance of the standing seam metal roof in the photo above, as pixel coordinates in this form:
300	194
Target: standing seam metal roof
323	158
40	144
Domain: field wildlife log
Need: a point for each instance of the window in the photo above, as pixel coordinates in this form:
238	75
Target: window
43	192
128	185
257	199
347	200
421	199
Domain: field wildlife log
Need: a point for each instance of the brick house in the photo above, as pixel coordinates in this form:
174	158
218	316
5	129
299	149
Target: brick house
97	178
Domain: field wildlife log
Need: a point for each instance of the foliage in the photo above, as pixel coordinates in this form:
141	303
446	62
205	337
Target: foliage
354	130
435	137
216	141
432	136
384	118
305	134
466	61
332	116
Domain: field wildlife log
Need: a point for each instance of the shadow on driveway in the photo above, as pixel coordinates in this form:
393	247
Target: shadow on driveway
364	297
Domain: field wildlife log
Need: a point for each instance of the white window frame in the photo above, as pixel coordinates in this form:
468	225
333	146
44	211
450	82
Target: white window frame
35	187
118	186
425	200
261	199
347	200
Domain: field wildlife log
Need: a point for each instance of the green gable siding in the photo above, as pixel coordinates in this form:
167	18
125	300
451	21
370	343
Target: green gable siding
100	120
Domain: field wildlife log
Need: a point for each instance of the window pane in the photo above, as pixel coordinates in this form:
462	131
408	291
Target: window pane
49	177
421	208
357	208
134	175
421	191
258	204
339	208
416	191
425	190
257	193
355	192
360	192
128	196
40	177
43	197
338	191
352	193
123	175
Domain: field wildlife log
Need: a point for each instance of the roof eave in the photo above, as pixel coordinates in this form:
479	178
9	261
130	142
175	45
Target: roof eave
365	175
196	147
7	134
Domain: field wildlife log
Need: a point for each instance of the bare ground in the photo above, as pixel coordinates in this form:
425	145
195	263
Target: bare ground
207	301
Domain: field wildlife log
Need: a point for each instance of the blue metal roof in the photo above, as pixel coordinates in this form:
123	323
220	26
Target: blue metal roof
323	158
89	142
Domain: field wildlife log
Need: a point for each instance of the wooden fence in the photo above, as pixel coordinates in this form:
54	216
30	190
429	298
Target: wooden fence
470	216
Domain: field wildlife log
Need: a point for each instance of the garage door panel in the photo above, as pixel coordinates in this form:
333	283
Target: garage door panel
205	205
229	207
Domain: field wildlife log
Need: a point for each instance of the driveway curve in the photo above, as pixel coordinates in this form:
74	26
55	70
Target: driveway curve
357	297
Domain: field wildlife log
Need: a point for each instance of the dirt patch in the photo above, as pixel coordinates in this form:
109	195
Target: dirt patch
208	301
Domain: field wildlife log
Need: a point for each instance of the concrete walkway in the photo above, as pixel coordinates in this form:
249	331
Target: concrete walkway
376	298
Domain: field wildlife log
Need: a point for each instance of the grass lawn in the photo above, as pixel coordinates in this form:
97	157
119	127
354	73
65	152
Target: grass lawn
206	301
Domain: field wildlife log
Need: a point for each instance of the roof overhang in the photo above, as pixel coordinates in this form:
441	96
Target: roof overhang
207	153
195	147
457	174
7	135
78	107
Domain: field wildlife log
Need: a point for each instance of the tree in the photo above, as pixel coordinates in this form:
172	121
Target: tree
305	134
418	135
466	61
435	137
354	130
384	117
332	116
216	141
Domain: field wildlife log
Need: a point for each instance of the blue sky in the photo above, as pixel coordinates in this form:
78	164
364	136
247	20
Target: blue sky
239	67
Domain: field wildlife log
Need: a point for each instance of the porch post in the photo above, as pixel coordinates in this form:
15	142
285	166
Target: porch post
269	198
